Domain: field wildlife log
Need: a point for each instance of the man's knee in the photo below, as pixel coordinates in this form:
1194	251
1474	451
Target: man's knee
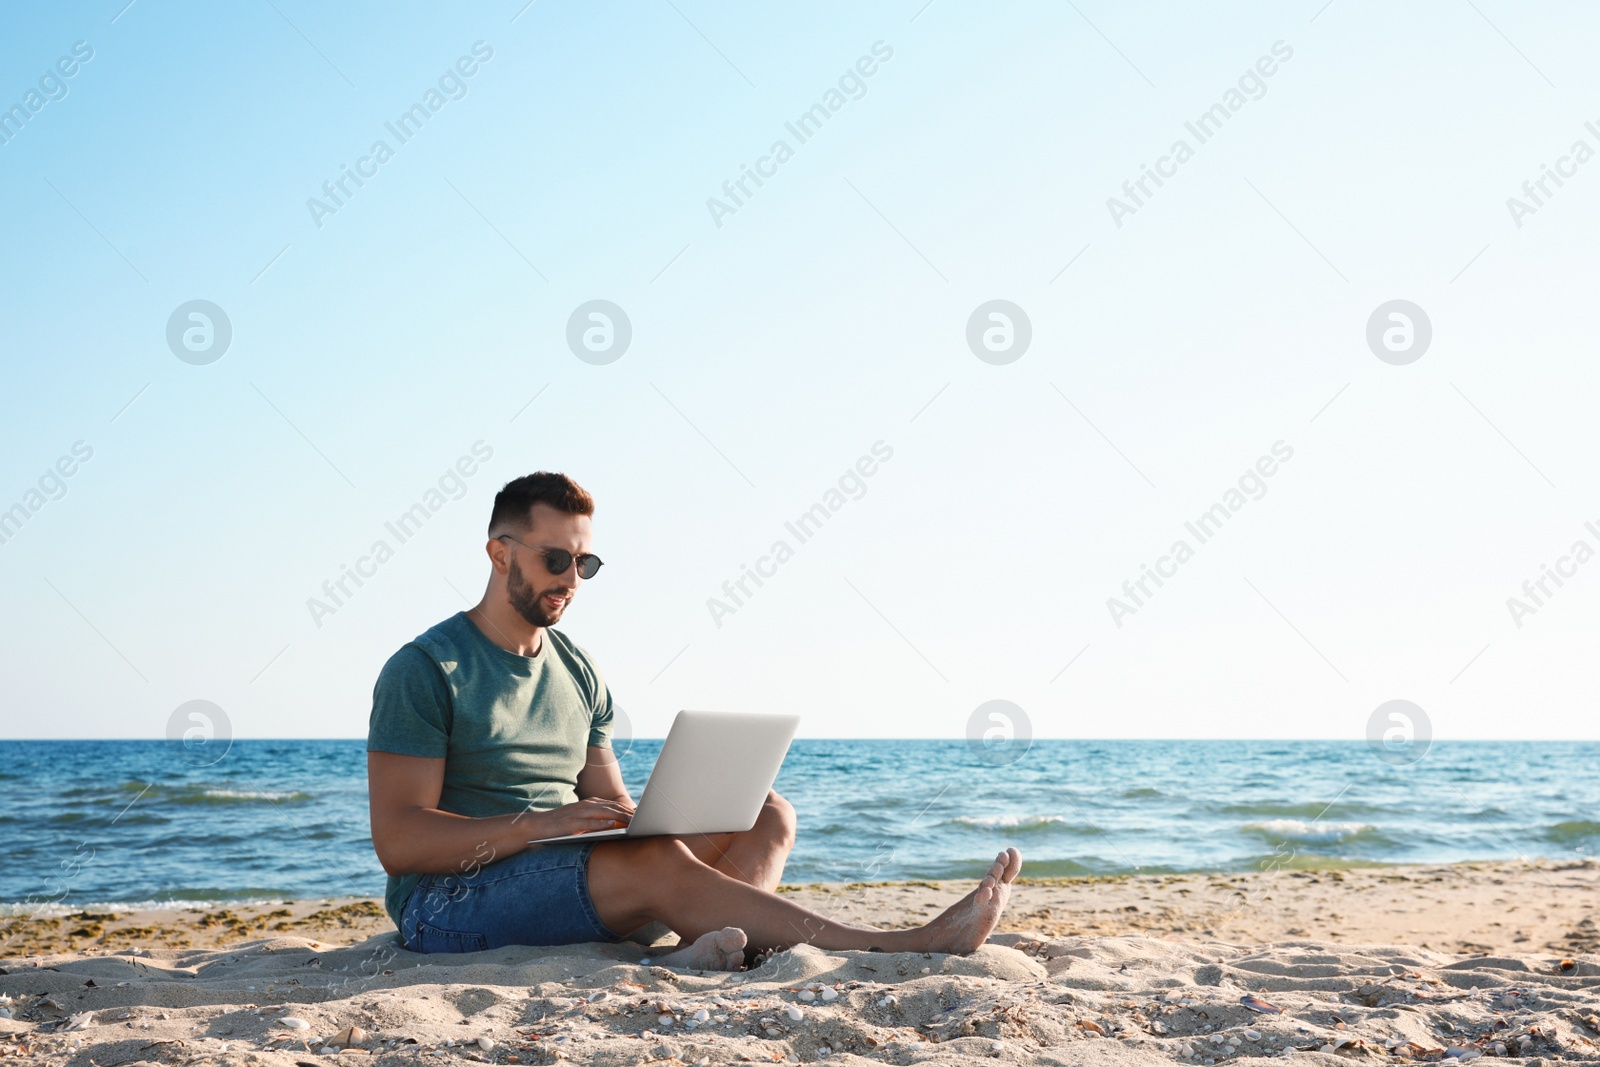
779	816
649	861
630	881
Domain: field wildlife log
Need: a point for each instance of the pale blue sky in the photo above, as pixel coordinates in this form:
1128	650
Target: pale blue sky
770	353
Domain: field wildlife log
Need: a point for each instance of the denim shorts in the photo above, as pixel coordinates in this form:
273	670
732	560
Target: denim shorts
537	897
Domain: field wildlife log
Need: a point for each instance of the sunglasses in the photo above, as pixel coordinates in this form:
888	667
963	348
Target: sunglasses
557	560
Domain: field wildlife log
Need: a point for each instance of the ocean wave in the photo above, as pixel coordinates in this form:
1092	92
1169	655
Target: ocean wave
1312	833
1020	823
143	818
201	795
1274	809
1572	831
247	796
147	793
105	816
874	803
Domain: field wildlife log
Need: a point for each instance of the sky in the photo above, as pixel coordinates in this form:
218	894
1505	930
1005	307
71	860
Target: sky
989	490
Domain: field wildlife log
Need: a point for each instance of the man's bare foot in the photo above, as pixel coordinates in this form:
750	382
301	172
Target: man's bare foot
966	924
720	950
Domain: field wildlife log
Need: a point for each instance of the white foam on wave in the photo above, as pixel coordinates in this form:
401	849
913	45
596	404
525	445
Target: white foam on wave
1309	832
255	794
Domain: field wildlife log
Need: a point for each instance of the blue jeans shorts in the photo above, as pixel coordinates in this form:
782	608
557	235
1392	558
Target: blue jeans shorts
537	897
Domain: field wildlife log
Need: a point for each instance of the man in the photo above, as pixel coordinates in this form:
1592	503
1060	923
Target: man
492	730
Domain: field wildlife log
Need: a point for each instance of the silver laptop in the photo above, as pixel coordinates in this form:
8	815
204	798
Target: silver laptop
713	775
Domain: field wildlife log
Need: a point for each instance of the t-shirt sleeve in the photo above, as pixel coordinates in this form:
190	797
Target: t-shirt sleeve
602	713
410	707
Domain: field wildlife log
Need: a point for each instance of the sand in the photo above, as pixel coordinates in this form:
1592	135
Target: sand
1409	963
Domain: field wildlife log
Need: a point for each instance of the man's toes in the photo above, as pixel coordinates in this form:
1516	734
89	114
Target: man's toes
730	942
1013	865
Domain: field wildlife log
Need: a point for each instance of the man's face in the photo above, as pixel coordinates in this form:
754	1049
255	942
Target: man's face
537	595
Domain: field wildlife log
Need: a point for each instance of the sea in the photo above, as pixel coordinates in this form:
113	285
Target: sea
91	823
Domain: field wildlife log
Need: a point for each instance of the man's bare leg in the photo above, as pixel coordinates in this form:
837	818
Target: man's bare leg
635	882
757	855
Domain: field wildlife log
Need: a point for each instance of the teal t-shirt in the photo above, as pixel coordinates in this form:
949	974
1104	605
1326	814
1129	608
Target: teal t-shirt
513	730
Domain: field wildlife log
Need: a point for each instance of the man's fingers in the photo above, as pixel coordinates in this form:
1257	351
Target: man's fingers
612	806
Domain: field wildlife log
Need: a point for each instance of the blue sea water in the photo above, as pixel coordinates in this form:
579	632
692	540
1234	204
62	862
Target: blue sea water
92	822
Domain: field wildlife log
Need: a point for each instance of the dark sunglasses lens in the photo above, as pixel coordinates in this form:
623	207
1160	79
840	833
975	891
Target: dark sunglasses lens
588	566
557	560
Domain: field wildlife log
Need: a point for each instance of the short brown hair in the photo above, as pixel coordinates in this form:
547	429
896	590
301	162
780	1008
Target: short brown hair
514	502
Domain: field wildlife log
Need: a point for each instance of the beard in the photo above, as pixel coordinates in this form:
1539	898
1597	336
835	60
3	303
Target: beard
530	603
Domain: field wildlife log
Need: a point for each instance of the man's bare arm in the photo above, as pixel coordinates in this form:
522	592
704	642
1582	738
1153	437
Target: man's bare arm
412	836
601	777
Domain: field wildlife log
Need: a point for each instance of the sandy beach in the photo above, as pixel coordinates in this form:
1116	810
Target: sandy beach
1413	963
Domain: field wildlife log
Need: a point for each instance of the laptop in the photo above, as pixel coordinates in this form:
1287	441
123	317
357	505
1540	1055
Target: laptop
712	776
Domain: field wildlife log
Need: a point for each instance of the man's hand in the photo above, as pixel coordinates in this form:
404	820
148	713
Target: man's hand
586	816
